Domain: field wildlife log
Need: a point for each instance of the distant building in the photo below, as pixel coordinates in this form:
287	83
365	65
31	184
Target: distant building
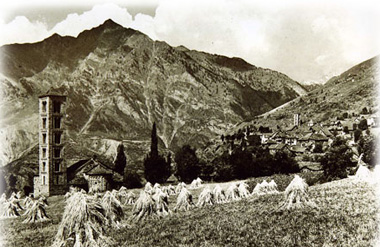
297	119
51	179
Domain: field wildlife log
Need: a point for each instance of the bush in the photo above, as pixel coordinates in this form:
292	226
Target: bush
156	169
368	146
132	180
188	167
284	163
336	160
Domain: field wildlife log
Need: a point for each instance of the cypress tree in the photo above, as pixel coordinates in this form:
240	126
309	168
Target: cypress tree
121	160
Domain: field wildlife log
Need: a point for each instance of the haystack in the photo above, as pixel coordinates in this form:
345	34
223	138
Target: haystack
36	212
196	183
113	210
15	200
162	203
130	199
219	195
144	206
148	187
265	188
206	198
9	209
232	193
170	190
83	223
184	200
272	187
27	202
3	198
179	187
243	190
364	174
296	195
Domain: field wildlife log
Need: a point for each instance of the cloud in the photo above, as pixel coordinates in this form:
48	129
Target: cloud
21	30
305	41
75	24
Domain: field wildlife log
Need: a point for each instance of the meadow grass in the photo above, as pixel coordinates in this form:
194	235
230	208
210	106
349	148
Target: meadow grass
346	216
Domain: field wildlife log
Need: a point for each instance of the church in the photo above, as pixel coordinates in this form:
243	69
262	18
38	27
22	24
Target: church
55	176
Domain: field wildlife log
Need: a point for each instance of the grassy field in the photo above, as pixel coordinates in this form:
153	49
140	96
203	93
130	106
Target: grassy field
346	216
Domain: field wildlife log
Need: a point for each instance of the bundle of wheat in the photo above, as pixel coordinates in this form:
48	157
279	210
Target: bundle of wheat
113	210
263	188
232	193
243	190
171	190
196	183
144	206
206	198
3	198
27	202
296	195
162	203
15	200
123	189
130	198
272	187
184	200
219	195
36	212
148	187
179	187
9	209
83	223
364	174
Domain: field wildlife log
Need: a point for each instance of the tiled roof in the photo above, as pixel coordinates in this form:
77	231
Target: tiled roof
100	170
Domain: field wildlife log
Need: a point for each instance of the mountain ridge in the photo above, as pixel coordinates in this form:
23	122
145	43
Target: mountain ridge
119	82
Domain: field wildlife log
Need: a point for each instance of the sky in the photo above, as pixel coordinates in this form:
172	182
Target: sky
308	40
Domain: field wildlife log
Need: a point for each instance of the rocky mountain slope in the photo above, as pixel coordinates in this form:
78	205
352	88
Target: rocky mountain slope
119	82
349	92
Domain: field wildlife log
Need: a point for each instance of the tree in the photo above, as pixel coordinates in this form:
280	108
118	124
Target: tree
363	125
121	160
154	141
241	161
357	135
131	179
187	161
12	181
336	160
156	168
364	110
368	146
284	163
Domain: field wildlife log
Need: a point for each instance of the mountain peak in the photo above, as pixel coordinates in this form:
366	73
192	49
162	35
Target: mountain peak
110	23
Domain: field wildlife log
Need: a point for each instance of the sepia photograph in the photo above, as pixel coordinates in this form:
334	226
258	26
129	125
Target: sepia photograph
213	123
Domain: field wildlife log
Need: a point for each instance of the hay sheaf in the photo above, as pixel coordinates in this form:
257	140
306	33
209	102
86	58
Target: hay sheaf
83	223
206	198
219	194
36	211
184	201
296	195
144	206
113	209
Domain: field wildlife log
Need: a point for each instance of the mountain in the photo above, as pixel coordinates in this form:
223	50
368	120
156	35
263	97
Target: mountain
349	92
119	82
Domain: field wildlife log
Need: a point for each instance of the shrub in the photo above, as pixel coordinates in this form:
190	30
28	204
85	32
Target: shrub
187	164
132	179
336	160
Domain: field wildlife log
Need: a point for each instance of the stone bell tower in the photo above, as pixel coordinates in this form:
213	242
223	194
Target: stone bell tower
52	177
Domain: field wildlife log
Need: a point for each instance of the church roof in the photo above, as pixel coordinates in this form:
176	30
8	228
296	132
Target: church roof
54	92
100	170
